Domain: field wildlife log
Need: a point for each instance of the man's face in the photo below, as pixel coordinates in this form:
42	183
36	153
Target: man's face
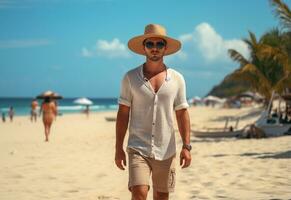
154	48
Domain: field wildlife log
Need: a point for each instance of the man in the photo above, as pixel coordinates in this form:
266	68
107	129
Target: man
149	95
11	113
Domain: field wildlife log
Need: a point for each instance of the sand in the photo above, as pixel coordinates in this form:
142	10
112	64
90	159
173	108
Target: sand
78	162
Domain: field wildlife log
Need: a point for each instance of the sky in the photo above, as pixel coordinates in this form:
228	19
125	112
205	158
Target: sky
78	48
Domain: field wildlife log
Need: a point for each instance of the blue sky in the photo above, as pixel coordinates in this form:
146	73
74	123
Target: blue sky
79	47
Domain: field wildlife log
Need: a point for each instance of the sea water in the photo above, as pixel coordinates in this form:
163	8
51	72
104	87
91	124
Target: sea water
21	106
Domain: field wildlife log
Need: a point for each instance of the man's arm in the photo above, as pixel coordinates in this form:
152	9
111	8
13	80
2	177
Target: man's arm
183	122
121	127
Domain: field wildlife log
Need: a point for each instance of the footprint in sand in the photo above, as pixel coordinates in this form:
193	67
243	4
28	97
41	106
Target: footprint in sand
221	197
13	152
195	192
101	175
72	191
17	176
107	198
51	177
206	184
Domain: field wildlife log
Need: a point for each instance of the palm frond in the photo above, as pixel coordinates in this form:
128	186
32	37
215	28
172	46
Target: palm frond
251	41
236	56
275	53
263	80
283	12
285	82
253	38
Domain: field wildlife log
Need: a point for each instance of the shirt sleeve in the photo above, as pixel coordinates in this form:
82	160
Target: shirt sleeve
180	101
125	97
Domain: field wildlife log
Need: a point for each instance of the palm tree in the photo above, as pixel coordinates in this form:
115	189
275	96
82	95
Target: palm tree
282	53
269	66
261	70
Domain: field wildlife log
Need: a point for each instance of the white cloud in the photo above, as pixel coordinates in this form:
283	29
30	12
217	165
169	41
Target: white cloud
24	43
109	49
212	46
86	52
186	37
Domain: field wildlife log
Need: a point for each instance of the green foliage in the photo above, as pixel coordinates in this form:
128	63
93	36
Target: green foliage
229	87
269	66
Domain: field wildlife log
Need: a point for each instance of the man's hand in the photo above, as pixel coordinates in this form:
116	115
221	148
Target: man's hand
185	158
120	159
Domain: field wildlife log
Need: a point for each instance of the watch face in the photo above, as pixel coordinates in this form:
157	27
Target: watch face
187	146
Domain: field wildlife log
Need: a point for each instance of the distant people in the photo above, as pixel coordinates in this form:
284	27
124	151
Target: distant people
49	112
254	132
275	113
87	110
230	129
11	113
3	117
33	112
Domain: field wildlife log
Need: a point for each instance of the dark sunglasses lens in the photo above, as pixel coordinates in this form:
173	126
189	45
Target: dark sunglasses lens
160	45
149	45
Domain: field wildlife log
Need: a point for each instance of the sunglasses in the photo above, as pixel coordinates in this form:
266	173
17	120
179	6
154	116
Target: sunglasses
158	45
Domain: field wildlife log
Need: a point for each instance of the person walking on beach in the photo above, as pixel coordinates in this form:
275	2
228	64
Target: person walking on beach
49	112
33	112
3	117
150	94
87	110
11	113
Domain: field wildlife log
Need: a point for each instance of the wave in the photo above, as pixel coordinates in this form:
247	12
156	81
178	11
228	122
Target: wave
78	108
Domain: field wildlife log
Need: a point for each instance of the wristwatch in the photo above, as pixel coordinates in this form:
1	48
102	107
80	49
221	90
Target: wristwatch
187	146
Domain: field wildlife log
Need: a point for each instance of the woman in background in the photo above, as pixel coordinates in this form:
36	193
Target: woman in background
49	113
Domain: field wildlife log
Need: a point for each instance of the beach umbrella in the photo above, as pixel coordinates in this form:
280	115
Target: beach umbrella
50	94
83	101
197	98
214	99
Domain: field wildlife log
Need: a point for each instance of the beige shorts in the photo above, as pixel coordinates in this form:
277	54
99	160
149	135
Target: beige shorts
141	168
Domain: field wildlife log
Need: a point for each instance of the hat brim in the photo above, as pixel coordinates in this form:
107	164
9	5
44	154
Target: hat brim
136	44
49	94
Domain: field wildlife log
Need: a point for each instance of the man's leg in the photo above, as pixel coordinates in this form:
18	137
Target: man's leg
139	174
163	176
160	195
139	192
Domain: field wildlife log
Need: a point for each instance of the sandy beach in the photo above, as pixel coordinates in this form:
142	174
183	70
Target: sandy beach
78	162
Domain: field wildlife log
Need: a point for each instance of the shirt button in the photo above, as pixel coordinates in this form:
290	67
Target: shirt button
153	123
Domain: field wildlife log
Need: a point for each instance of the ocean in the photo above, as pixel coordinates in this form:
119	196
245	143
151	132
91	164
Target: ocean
22	105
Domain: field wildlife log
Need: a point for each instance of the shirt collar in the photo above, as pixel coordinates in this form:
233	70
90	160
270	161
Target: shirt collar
168	74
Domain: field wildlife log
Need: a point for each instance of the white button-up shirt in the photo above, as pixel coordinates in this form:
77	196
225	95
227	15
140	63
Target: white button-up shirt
151	130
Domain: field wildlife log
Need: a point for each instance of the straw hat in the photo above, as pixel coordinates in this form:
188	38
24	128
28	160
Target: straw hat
153	30
49	94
